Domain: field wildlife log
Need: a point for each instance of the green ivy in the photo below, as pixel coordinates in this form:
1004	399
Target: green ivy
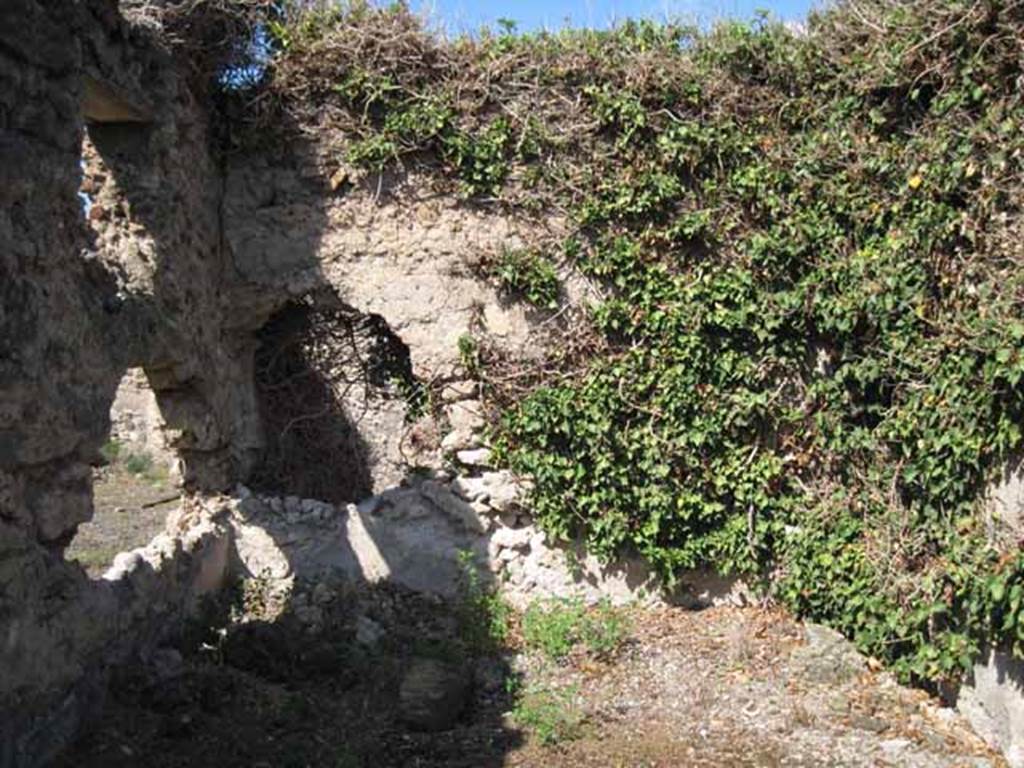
530	275
811	336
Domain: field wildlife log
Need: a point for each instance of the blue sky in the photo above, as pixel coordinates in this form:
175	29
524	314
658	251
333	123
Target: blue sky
468	15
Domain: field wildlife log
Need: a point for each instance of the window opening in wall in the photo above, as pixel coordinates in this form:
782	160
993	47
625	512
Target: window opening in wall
93	176
137	484
98	196
85	193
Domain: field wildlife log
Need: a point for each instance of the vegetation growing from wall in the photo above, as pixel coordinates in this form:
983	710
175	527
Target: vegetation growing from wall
808	360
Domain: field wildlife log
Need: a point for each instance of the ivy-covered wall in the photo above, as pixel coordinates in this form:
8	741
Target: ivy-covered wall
802	357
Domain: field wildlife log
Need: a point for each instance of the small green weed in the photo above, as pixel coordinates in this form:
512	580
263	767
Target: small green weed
138	463
469	354
552	715
605	629
483	614
110	451
553	626
556	627
143	466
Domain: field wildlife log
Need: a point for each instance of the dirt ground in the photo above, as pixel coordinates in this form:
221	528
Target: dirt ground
259	683
130	509
719	687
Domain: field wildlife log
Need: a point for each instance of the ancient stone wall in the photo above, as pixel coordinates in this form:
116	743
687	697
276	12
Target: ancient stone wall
81	301
298	224
52	314
126	242
113	227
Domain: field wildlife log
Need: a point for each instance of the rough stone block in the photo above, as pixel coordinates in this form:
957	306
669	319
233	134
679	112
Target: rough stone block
992	700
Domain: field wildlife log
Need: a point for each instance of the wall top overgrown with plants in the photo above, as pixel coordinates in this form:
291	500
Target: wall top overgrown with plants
808	360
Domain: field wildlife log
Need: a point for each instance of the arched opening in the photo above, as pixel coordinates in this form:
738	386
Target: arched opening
137	484
136	480
330	381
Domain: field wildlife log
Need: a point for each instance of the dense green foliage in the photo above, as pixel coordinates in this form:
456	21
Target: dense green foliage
809	360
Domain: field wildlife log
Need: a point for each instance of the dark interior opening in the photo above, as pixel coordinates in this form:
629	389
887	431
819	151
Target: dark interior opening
319	371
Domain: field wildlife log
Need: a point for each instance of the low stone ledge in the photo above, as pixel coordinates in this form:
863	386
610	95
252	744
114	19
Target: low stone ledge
58	661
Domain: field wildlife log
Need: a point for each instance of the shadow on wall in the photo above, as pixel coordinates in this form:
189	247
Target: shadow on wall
328	380
320	367
992	698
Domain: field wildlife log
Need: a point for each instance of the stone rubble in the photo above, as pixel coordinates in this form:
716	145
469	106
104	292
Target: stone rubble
433	694
415	536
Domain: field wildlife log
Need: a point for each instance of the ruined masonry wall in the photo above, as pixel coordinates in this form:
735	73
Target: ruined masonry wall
80	303
176	266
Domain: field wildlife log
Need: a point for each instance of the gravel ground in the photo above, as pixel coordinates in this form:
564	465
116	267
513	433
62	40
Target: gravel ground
750	688
720	687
